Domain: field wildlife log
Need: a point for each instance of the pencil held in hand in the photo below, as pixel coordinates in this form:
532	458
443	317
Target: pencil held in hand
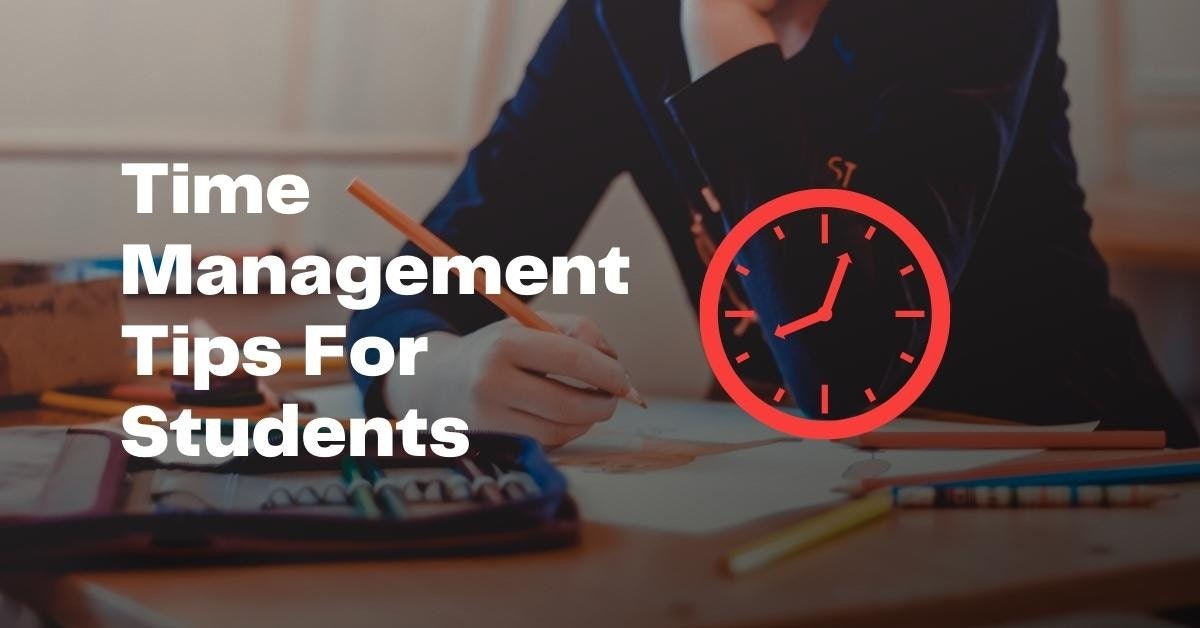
435	246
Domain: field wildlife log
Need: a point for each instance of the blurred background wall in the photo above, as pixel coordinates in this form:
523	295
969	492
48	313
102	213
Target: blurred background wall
396	91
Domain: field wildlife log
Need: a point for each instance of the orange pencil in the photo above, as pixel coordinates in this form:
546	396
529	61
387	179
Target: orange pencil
435	246
1138	439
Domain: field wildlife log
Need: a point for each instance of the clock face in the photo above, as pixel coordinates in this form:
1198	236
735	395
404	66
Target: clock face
888	327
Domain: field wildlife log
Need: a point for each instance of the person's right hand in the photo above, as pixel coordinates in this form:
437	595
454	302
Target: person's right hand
496	379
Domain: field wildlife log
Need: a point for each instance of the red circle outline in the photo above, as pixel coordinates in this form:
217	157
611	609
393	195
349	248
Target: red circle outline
927	362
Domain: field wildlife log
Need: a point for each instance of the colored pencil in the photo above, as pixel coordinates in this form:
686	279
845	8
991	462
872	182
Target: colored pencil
808	533
512	490
289	362
360	490
1007	496
487	484
1154	474
393	503
435	246
1026	467
101	406
1143	439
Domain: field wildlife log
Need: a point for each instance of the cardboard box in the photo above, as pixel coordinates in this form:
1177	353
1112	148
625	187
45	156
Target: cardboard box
57	335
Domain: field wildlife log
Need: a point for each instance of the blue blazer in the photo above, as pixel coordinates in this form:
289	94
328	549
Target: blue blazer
952	112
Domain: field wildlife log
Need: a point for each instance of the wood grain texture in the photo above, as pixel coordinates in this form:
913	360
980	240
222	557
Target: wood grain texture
925	567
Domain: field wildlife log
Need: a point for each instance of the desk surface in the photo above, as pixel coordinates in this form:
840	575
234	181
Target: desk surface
927	567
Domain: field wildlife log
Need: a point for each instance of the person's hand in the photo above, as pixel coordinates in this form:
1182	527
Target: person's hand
496	379
761	7
715	31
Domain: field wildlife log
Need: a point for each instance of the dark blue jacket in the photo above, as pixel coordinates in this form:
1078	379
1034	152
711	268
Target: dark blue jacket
952	112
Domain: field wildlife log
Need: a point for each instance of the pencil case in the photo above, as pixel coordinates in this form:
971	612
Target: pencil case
101	507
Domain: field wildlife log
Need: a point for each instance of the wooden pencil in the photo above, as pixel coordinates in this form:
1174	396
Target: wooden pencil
1026	467
488	487
360	490
389	495
808	533
435	246
1135	439
289	362
1035	496
101	406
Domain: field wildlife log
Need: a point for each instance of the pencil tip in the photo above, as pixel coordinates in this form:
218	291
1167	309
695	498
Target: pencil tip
636	397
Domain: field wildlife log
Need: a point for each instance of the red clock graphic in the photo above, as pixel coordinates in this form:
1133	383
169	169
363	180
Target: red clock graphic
803	219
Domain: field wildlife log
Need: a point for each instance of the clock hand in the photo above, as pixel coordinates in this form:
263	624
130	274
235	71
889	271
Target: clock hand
825	312
783	331
835	285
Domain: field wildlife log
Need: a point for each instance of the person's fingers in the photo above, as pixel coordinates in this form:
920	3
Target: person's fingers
559	402
581	328
548	433
556	354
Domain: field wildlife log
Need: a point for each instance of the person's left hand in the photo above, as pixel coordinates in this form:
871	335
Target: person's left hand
715	31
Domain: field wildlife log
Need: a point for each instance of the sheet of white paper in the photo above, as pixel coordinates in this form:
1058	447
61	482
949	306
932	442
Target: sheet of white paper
725	490
676	419
715	422
718	491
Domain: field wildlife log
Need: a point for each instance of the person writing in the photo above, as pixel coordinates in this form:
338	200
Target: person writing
953	113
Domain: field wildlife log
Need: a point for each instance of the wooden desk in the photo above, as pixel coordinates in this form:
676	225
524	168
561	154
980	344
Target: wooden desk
919	567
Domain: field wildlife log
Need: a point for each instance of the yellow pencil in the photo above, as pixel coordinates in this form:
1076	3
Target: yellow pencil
289	362
808	533
84	403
